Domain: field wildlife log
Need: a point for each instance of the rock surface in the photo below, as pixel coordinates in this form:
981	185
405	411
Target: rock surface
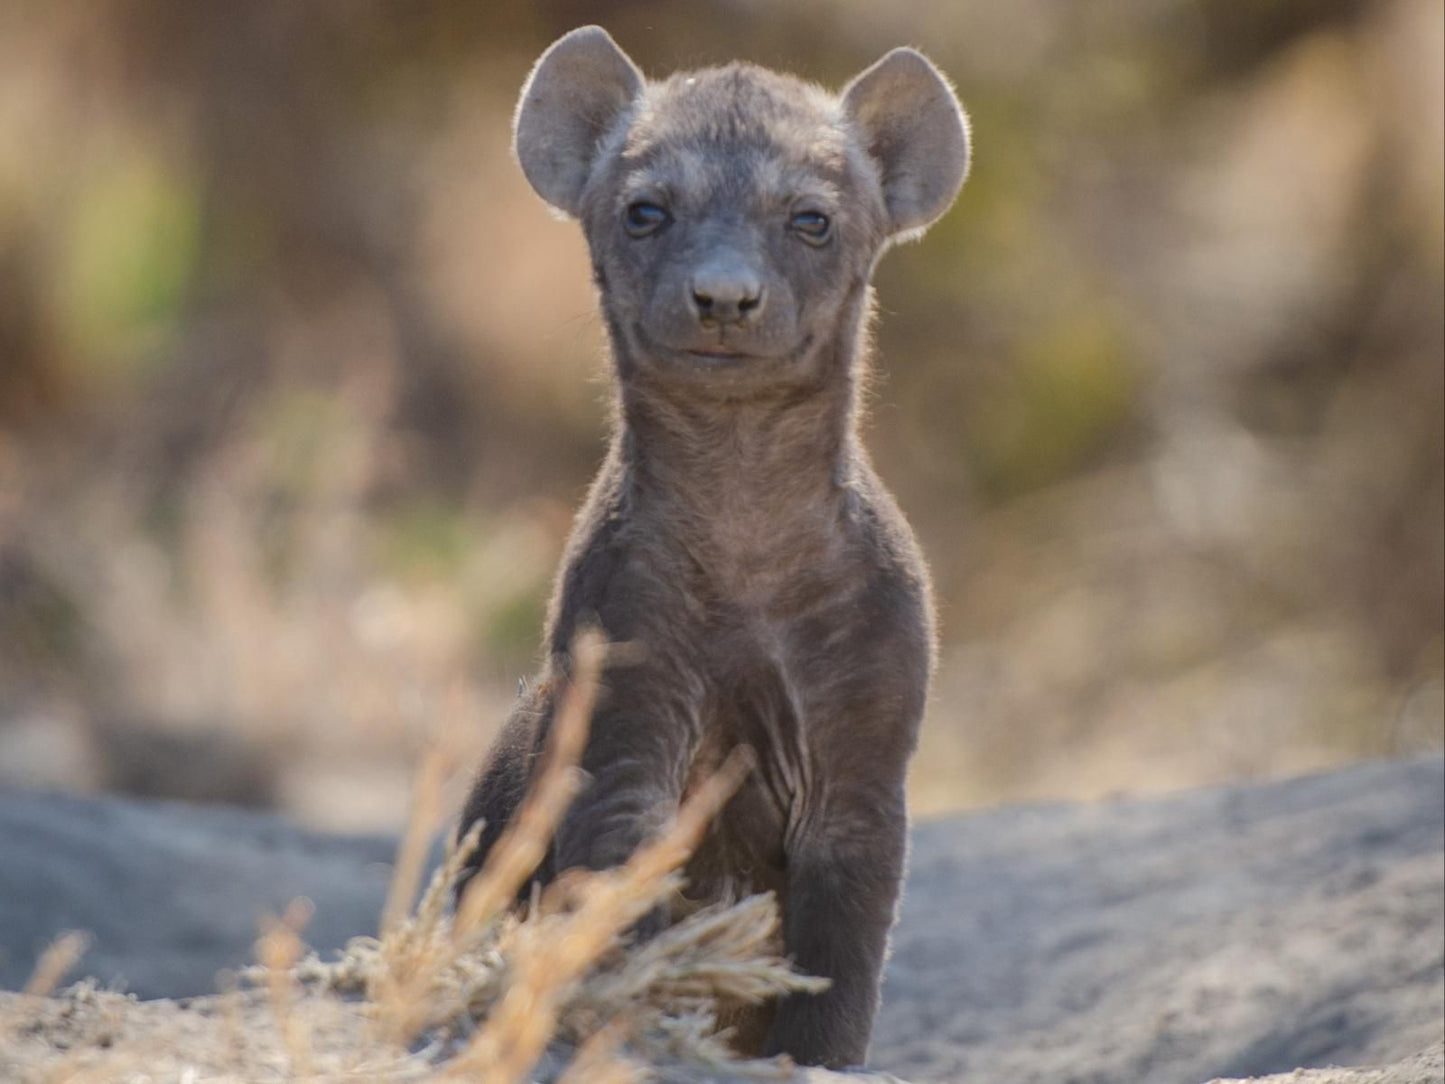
171	894
1238	931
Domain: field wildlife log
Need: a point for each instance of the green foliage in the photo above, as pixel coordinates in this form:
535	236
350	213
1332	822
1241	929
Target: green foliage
510	630
302	433
1071	386
424	538
126	257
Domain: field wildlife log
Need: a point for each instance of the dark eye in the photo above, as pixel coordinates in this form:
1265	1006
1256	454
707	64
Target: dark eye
812	226
643	218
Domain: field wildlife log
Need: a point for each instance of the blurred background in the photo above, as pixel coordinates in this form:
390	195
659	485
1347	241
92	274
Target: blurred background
299	385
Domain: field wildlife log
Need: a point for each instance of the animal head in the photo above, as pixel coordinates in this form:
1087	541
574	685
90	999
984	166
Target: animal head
734	214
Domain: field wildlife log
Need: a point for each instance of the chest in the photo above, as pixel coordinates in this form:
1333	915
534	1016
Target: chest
753	704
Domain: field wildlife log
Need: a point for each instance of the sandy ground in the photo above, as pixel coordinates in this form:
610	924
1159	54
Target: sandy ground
1228	933
1425	1068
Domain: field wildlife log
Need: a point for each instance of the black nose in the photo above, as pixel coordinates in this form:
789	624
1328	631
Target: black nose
724	294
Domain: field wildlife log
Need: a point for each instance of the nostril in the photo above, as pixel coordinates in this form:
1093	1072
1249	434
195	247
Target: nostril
725	294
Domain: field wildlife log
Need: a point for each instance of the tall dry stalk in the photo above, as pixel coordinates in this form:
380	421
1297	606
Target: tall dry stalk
58	958
522	846
278	950
415	957
427	812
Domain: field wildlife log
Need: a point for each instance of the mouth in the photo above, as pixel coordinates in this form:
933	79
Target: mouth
712	357
708	355
716	354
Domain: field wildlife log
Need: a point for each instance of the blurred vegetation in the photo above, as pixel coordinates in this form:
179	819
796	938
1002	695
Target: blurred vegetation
299	383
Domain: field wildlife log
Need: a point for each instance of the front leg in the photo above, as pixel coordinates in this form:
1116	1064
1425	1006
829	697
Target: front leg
846	849
843	882
642	739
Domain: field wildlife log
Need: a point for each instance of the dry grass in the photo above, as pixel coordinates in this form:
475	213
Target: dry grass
55	962
474	994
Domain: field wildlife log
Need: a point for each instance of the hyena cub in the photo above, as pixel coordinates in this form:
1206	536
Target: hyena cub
737	531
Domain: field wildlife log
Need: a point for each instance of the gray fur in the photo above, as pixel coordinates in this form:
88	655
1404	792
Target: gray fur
736	530
574	95
909	119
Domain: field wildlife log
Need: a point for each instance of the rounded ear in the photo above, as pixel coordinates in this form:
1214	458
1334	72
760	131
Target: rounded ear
912	126
576	92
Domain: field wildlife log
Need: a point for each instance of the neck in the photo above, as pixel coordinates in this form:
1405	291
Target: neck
750	483
693	447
